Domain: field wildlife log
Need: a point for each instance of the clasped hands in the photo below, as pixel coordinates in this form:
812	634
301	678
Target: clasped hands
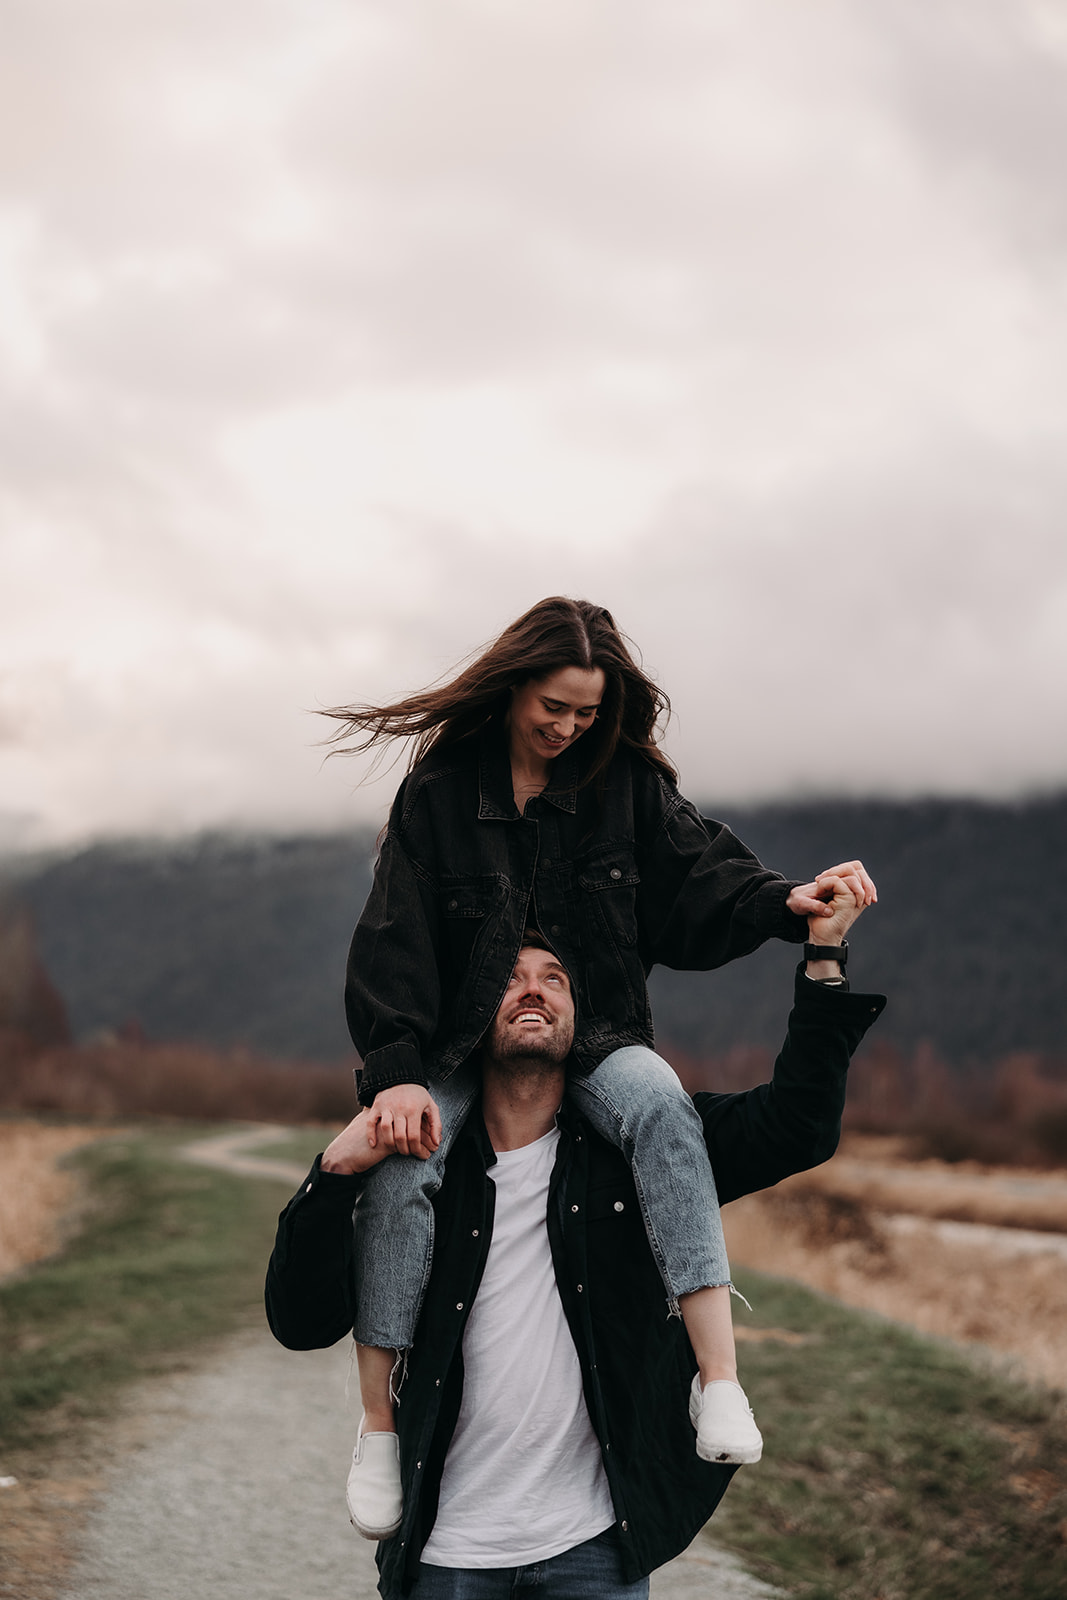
403	1120
817	899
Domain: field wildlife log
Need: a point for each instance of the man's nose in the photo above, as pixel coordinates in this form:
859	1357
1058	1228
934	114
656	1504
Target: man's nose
533	997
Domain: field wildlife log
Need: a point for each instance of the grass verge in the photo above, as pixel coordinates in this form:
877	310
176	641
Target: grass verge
894	1468
301	1145
170	1255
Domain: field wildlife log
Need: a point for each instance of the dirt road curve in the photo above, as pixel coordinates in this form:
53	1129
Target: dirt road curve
233	1485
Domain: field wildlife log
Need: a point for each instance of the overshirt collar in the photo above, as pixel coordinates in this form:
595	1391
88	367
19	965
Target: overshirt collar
496	798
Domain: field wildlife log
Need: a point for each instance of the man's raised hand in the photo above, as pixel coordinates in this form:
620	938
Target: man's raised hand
836	917
352	1150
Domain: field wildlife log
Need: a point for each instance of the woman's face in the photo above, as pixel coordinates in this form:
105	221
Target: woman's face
548	714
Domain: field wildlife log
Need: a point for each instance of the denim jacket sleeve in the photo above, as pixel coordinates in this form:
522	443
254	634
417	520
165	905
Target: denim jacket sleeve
764	1134
392	988
705	898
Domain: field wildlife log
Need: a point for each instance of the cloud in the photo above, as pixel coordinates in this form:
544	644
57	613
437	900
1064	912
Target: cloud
333	335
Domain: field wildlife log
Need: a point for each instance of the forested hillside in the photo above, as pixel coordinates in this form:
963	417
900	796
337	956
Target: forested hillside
229	940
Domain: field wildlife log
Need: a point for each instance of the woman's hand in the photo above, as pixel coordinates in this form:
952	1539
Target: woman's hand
405	1118
812	899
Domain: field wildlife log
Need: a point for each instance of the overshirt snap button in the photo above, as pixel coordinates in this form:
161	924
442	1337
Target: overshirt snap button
459	1305
474	1233
615	873
619	1206
453	905
554	928
579	1288
574	1208
625	1526
308	1189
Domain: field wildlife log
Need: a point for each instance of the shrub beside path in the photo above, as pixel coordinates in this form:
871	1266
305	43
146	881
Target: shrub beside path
232	1485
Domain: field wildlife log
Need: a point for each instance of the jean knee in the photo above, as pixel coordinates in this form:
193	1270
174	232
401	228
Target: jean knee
641	1089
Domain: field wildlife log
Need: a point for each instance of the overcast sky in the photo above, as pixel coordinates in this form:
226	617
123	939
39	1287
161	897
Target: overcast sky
334	333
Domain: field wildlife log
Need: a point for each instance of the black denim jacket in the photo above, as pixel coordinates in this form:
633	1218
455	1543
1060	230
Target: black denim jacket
617	876
636	1363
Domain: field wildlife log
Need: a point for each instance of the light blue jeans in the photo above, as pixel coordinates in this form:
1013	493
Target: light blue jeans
591	1571
635	1101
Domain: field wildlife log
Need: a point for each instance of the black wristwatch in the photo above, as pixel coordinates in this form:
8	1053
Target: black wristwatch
827	952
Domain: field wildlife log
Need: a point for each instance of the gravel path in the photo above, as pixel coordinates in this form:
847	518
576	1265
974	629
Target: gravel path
232	1483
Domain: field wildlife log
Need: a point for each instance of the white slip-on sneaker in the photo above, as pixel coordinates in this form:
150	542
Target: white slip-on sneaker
375	1499
726	1428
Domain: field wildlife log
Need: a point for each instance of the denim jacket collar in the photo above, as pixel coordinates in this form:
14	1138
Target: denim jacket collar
496	798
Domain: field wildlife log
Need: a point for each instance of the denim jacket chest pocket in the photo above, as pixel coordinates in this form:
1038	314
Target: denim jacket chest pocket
612	979
608	881
470	910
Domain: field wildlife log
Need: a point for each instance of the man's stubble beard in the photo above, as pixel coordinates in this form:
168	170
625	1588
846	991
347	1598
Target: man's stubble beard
516	1057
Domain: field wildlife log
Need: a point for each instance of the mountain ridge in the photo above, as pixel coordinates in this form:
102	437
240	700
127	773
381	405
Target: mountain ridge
241	938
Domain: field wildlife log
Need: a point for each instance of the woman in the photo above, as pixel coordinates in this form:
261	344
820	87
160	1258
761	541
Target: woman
538	797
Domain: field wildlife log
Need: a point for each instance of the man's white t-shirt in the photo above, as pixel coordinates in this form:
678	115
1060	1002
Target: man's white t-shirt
523	1479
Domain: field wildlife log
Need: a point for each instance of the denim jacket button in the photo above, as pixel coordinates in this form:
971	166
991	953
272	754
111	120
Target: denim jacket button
615	873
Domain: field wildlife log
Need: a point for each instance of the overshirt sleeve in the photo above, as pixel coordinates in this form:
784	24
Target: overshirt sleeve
705	898
760	1136
309	1291
392	987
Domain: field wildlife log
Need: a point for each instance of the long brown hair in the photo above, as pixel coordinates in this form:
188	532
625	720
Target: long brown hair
553	634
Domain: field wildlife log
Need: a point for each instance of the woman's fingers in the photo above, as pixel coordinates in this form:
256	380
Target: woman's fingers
804	901
858	878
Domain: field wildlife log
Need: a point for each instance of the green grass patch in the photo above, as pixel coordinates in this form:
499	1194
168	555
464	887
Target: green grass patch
170	1255
301	1145
893	1467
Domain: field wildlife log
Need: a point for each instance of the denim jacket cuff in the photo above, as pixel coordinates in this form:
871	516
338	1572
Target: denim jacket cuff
393	1063
772	916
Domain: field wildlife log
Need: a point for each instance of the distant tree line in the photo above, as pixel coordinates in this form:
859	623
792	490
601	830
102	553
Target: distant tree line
227	941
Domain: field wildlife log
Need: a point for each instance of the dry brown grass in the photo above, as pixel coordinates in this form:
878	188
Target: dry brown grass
38	1197
879	1174
130	1077
868	1229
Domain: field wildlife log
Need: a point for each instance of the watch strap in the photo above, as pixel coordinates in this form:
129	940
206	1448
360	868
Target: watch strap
827	952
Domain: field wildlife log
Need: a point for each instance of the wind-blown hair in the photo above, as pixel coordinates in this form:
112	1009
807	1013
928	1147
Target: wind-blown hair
553	634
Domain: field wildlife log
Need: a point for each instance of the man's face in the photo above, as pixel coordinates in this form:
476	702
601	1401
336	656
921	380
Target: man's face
536	1016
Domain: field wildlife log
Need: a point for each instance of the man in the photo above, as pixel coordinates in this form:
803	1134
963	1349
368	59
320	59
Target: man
544	1427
